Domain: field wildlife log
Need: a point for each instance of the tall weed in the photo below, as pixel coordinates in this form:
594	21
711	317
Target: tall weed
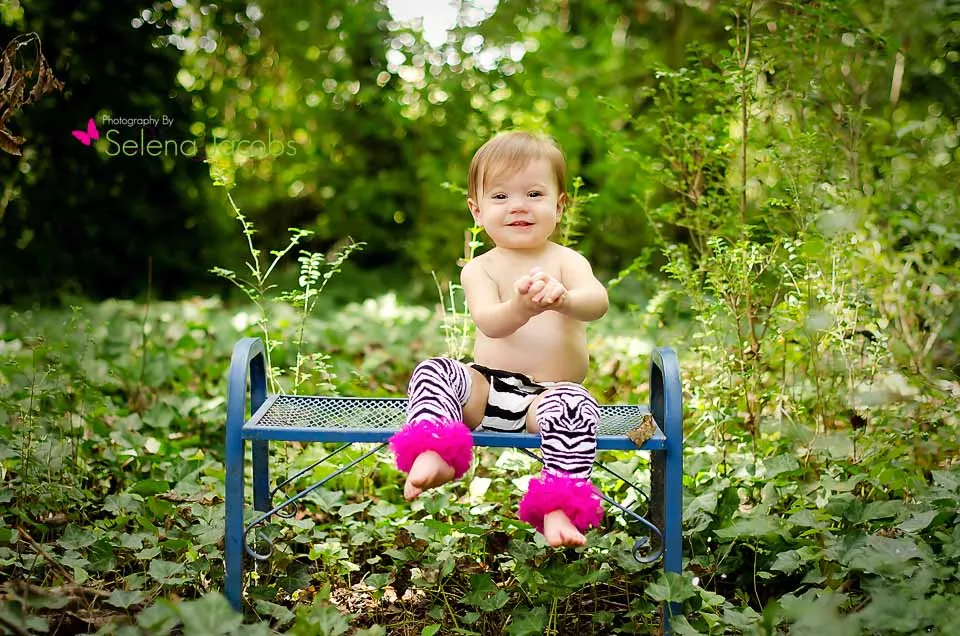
314	273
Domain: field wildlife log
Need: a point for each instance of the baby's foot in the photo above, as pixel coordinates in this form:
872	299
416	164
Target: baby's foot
429	470
559	532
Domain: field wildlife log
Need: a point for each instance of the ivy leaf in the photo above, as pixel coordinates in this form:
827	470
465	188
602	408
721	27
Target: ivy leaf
166	572
159	618
76	538
791	560
527	622
320	618
149	487
383	509
741	620
52	601
282	614
758	525
883	555
773	466
101	556
147	553
210	614
817	612
698	513
406	554
671	587
115	504
485	594
352	509
918	521
947	480
124	599
711	599
682	627
880	510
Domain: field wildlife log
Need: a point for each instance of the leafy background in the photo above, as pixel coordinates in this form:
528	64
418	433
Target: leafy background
769	187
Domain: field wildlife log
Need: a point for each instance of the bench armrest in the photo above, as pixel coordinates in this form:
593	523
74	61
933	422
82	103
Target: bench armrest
666	398
248	363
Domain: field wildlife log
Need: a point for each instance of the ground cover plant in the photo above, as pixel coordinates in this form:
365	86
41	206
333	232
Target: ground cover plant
113	513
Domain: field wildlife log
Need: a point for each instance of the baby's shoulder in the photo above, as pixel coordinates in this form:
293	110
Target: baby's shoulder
489	262
478	268
566	254
478	263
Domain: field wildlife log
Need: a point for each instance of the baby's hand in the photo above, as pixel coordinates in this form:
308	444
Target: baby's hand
538	291
552	293
526	287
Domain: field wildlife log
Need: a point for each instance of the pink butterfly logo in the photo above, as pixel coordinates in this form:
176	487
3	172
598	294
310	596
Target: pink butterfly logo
91	134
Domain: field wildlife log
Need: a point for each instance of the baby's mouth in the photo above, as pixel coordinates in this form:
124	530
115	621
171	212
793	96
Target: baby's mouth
520	224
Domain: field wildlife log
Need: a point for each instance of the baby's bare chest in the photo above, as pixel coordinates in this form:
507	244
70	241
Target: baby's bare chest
506	277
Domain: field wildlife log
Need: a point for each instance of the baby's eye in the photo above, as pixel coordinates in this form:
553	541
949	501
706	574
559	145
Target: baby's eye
536	193
499	197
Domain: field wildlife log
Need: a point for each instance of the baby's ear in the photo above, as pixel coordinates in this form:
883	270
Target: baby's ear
562	202
474	210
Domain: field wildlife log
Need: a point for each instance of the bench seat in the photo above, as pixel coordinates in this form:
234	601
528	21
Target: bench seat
310	418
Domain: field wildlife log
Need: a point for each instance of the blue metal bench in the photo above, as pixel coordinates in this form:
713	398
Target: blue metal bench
289	418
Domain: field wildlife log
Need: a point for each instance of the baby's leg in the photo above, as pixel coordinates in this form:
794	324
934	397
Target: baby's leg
444	389
562	502
567	417
435	446
438	390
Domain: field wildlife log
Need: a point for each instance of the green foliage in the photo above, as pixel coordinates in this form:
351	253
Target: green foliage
120	485
573	216
116	487
703	115
458	327
816	300
819	323
311	283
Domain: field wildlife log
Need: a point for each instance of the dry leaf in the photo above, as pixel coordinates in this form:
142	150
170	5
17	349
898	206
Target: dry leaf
13	83
7	69
10	143
644	431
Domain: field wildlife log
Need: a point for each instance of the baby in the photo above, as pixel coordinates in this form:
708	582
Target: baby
530	299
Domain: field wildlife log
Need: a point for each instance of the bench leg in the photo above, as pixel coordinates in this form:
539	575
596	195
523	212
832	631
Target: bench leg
261	476
248	363
233	538
666	405
672	520
661	510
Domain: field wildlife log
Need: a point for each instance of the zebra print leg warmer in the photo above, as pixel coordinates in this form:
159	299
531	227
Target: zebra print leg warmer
568	417
438	389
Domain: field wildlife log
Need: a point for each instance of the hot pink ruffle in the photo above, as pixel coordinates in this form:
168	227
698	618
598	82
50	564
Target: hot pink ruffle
577	497
448	438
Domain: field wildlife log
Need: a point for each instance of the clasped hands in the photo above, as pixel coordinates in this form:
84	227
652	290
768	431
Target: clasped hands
538	291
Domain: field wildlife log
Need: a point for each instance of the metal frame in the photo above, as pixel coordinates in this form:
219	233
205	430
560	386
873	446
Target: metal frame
248	369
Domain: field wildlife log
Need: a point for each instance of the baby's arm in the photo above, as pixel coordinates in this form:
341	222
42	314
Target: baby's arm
495	318
586	297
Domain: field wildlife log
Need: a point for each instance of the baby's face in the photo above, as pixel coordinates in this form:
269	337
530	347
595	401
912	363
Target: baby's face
519	210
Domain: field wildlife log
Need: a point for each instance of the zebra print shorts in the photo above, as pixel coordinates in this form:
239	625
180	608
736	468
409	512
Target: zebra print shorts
511	395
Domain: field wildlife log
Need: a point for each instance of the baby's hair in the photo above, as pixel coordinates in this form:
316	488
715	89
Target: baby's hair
512	151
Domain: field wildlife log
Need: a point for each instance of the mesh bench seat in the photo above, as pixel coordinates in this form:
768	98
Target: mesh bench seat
349	420
298	418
